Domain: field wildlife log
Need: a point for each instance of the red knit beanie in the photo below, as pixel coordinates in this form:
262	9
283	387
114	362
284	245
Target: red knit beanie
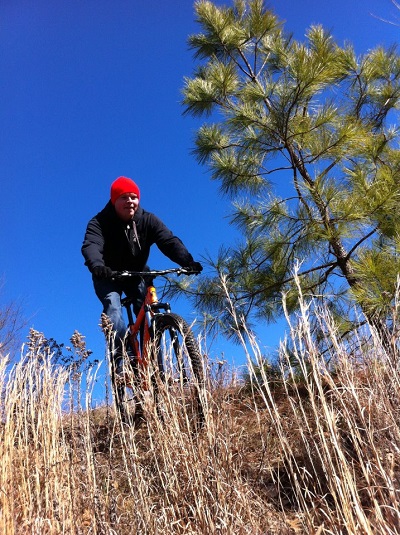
123	185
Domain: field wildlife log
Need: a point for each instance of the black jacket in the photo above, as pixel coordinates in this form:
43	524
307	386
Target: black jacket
107	241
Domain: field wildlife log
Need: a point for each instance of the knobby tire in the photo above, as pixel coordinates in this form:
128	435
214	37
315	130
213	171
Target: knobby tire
180	366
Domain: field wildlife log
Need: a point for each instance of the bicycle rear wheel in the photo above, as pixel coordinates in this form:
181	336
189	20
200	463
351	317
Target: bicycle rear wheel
180	369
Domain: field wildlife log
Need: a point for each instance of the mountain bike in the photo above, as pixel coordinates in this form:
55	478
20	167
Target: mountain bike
162	359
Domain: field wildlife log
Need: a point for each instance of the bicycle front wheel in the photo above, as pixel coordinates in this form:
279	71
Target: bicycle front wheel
180	369
125	385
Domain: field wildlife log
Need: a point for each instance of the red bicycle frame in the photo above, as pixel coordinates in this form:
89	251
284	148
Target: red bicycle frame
143	318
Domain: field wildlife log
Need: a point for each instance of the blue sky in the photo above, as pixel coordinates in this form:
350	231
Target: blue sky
91	90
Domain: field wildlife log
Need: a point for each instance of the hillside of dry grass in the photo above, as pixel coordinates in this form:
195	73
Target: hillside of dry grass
315	449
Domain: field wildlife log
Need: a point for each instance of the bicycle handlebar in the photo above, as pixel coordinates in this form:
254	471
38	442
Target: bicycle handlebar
154	273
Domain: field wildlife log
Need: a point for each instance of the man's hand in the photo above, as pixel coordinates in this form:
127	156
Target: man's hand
195	267
102	272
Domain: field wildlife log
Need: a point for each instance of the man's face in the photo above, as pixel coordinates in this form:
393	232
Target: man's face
126	206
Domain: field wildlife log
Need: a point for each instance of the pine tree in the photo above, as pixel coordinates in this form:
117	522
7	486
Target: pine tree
303	137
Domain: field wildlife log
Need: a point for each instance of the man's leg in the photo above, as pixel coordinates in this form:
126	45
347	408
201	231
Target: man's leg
109	294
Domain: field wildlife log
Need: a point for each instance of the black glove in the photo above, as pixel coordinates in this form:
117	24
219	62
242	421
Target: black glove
195	267
102	272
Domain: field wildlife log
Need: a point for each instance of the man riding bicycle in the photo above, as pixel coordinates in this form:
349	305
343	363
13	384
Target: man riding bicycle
119	238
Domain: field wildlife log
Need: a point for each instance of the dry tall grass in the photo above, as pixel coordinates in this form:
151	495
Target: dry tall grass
316	455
